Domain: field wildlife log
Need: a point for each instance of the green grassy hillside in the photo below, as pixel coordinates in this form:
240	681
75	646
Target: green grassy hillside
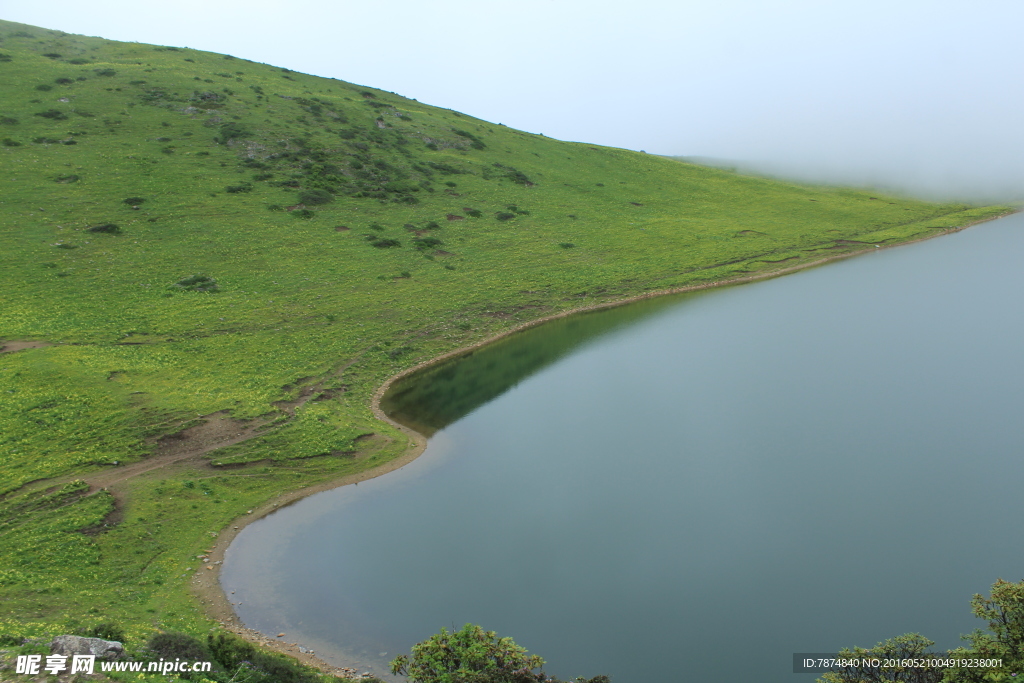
195	233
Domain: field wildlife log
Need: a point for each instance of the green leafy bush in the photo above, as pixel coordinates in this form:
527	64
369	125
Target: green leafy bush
173	645
107	631
315	197
470	655
52	114
197	283
504	216
475	142
233	131
255	666
105	72
237	189
424	243
7	142
44	87
106	228
134	201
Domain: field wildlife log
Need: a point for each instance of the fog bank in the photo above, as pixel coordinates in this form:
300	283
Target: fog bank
922	96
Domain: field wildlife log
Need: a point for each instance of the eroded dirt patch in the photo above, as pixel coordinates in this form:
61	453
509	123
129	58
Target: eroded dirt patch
12	346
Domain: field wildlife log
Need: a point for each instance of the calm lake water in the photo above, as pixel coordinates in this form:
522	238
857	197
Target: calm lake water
691	488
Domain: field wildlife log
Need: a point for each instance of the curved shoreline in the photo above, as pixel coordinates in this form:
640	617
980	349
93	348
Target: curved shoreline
206	585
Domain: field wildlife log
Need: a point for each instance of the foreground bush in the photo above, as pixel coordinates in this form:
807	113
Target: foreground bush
473	655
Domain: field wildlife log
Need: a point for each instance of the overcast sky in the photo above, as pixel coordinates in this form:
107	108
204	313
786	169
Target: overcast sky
921	95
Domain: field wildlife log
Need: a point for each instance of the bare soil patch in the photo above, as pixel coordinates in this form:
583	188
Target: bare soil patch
12	346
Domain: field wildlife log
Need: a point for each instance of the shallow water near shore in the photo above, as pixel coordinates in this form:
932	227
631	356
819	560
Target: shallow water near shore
690	488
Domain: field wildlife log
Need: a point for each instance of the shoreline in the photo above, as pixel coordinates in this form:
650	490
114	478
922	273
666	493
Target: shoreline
206	584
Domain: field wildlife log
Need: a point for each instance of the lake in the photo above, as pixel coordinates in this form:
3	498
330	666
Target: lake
689	488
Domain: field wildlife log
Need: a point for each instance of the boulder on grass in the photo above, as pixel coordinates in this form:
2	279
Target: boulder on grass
106	650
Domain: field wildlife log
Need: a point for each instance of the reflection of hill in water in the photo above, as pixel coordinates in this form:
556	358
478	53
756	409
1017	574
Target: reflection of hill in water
431	400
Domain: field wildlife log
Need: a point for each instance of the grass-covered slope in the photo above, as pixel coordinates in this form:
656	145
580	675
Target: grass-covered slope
197	233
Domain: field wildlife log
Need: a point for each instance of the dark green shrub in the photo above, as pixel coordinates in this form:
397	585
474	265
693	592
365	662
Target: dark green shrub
8	120
65	245
315	197
303	213
386	243
275	207
107	631
444	168
52	114
518	177
70	142
262	176
63	81
105	72
52	55
232	131
475	142
106	228
232	653
470	654
7	640
424	243
473	213
197	283
377	226
5	57
173	645
44	87
202	154
566	245
134	201
237	189
78	60
431	145
504	216
45	141
7	142
451	184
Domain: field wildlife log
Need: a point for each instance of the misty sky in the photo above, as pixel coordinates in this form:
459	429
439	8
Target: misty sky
918	95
